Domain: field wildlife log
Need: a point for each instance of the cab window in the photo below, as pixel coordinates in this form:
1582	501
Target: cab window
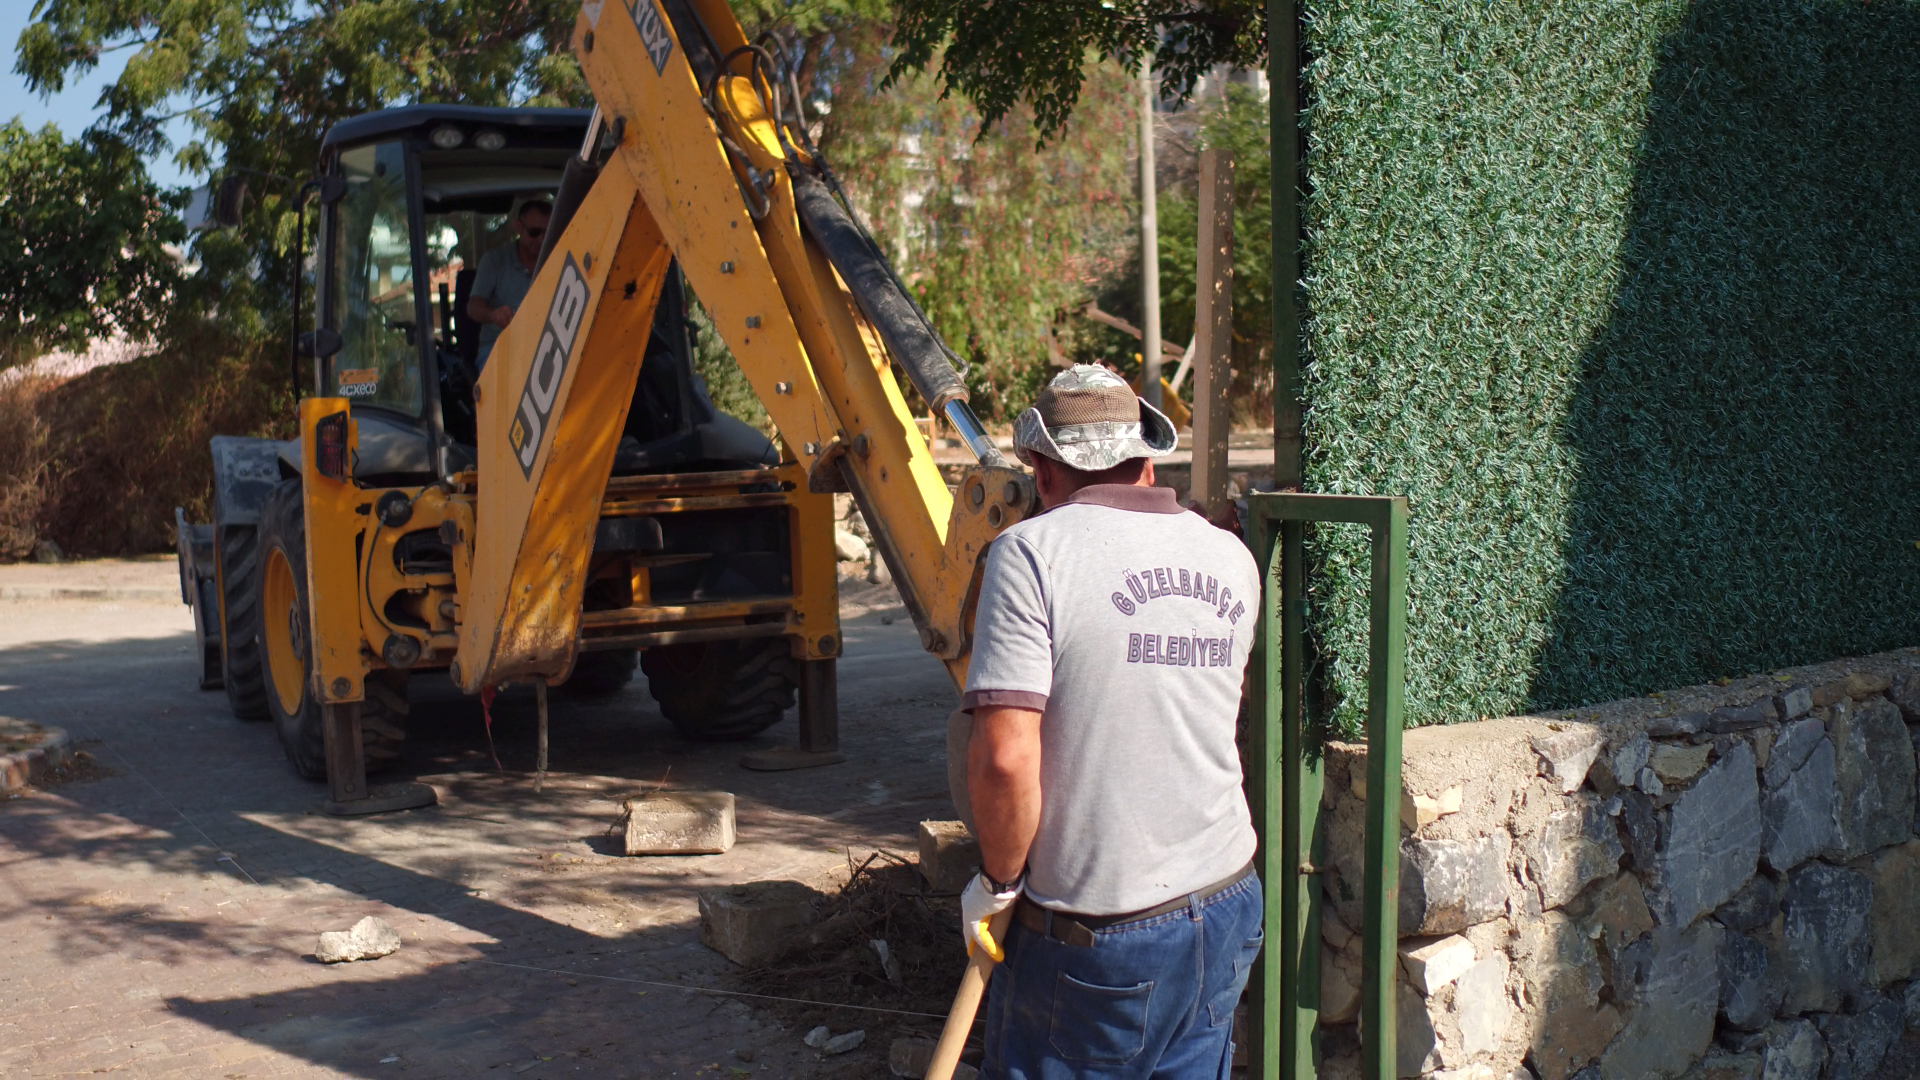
372	295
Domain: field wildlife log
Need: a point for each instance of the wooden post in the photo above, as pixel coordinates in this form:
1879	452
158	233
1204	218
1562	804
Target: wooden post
1149	245
1213	330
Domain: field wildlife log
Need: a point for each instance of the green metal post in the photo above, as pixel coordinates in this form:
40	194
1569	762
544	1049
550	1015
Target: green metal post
1300	945
1386	683
1283	77
1284	788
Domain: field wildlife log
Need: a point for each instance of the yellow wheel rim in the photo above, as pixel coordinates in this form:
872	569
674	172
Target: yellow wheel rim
285	632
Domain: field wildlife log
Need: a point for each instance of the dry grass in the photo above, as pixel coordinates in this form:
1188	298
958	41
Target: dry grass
26	464
97	463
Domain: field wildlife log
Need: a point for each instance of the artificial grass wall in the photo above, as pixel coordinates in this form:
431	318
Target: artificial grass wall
1626	297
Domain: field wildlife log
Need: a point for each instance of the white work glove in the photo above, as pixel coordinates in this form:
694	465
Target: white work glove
978	904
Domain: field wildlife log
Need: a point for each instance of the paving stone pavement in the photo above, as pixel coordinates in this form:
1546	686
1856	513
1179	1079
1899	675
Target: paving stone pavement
160	921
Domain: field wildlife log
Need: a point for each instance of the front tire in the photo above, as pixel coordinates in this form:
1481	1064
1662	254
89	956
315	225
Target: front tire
719	691
241	671
283	614
598	674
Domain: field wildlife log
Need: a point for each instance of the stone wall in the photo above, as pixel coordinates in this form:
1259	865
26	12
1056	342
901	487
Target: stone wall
1719	882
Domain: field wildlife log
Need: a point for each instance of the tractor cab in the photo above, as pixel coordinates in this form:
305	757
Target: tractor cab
417	197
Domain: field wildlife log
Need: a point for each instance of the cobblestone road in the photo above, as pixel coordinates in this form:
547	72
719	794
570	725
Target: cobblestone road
160	921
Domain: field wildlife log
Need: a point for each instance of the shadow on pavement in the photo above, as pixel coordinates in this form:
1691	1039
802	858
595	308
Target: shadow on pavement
498	874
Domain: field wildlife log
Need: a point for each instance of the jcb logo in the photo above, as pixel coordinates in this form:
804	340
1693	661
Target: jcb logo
549	366
653	33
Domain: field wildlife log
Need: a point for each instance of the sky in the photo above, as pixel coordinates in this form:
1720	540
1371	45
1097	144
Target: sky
73	109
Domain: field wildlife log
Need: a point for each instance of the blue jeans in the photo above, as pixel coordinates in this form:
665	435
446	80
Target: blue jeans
1150	998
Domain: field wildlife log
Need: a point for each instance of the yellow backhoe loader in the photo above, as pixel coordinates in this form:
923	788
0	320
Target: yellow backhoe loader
577	500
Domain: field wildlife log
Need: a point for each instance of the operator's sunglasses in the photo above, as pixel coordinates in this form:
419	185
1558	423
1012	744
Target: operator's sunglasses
535	233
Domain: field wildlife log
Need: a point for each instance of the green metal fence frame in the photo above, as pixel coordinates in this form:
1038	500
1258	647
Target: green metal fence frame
1284	785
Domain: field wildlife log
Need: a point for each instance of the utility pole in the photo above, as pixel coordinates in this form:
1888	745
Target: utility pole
1149	246
1213	330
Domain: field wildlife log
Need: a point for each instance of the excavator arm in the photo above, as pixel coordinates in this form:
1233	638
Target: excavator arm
709	166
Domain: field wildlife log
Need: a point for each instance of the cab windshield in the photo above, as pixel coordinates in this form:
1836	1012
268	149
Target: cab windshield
373	304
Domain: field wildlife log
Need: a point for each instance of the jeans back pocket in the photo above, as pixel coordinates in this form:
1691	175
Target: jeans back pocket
1099	1025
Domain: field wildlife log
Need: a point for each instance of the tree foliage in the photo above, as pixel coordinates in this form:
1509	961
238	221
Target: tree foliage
999	54
996	240
260	81
83	242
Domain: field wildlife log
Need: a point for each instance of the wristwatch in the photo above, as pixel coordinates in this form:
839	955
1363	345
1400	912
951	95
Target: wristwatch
1004	888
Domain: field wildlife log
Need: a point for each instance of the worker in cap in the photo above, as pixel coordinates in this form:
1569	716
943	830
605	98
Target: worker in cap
1102	778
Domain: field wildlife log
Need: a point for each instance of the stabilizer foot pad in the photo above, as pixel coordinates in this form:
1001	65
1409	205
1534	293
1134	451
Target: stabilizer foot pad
784	758
382	798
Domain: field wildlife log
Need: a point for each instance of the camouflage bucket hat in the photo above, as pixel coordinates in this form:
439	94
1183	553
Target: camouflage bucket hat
1089	418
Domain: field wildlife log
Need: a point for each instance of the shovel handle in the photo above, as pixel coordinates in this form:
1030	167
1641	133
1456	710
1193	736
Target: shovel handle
966	1002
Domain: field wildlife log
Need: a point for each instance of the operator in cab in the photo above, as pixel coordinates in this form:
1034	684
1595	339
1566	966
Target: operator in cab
505	274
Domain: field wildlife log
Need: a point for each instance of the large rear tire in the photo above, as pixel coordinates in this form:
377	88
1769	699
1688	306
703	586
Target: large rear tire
282	607
717	691
598	674
239	619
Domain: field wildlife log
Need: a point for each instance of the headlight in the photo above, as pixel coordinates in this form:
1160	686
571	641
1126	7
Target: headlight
447	138
489	140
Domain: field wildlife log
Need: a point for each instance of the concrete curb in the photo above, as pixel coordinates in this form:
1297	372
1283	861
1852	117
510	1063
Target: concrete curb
89	592
23	767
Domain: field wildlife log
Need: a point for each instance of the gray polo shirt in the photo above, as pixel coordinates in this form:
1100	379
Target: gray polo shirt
501	279
1127	621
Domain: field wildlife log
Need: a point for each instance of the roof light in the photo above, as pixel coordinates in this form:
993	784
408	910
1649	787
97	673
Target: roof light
447	137
490	140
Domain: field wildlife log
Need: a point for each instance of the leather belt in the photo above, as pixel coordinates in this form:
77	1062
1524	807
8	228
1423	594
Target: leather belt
1071	928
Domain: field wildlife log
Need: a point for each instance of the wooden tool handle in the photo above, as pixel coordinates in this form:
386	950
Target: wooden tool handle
966	1002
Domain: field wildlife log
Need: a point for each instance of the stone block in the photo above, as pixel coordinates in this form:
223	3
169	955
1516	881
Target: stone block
1616	911
1669	727
1742	717
1710	842
1793	1050
1449	885
1752	907
1797	819
1797	740
1829	693
1893	920
1866	684
909	1057
1575	846
1339	985
1416	1045
756	923
1749	990
1565	755
1823	947
1673	998
1857	1043
1795	703
1722	1065
848	547
680	823
1562	979
1431	963
1481	1004
1678	764
1905	695
949	855
1640	828
1630	756
1873	777
369	939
